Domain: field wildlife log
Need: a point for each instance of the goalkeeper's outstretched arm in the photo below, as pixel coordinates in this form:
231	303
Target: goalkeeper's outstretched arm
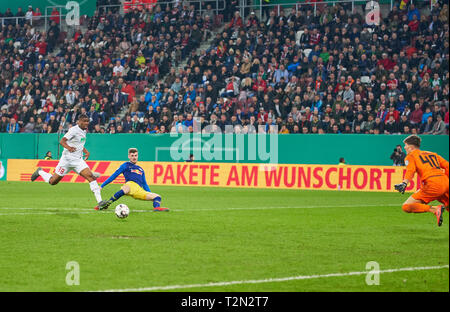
409	174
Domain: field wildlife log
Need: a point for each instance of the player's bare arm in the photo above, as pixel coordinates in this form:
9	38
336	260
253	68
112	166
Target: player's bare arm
64	144
86	153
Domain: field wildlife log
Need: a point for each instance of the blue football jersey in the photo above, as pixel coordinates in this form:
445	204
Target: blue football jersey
131	172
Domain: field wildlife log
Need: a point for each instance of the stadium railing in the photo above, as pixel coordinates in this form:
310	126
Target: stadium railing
35	20
317	5
39	21
129	5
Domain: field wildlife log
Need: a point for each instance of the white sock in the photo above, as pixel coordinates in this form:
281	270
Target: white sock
96	189
45	175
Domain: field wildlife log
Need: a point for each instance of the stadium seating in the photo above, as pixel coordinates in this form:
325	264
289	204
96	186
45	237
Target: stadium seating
305	61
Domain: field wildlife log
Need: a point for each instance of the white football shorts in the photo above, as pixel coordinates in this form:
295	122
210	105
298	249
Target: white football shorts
65	165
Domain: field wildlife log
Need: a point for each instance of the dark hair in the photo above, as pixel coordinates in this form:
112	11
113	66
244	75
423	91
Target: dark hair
413	140
83	116
132	150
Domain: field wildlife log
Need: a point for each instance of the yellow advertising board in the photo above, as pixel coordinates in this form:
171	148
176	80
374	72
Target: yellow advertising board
308	177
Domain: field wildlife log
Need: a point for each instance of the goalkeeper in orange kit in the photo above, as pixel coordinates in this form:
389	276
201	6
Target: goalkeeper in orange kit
433	172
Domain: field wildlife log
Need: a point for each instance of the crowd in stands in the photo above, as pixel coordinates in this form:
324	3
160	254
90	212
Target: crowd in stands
291	72
48	79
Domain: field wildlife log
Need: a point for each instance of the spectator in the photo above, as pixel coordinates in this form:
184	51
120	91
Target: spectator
118	100
12	126
37	16
236	22
191	158
48	156
391	126
416	115
427	127
29	14
413	11
29	126
127	124
54	16
439	126
3	123
348	95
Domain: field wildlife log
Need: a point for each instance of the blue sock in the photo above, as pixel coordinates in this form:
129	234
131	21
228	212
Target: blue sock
117	195
156	202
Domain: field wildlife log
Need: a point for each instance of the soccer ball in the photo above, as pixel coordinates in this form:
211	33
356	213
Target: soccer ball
122	211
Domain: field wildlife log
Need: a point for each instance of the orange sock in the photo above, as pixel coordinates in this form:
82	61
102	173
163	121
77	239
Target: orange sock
416	208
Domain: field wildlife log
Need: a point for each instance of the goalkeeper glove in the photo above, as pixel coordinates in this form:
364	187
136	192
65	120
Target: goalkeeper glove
401	187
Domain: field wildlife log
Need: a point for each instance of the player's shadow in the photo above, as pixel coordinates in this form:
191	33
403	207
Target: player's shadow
432	239
65	214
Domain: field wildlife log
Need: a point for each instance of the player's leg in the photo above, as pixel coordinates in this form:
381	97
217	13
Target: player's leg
445	201
443	198
124	190
83	170
418	202
138	192
441	208
412	205
52	179
156	201
439	190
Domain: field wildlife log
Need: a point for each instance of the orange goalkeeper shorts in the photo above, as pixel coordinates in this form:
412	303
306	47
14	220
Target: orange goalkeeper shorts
434	188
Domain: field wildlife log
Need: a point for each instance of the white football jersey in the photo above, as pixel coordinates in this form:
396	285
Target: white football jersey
2	170
76	137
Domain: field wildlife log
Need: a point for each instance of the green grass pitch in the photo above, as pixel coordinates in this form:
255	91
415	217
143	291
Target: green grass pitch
217	235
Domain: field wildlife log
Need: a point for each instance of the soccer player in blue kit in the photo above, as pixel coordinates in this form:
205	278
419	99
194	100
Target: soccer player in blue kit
135	184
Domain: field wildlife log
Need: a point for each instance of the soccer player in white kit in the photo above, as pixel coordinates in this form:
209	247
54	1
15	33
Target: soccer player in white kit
72	158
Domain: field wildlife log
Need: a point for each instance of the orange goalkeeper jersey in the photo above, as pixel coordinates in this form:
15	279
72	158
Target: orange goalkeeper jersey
426	164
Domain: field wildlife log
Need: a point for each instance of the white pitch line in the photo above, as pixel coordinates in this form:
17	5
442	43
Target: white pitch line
293	207
40	213
87	210
49	208
273	280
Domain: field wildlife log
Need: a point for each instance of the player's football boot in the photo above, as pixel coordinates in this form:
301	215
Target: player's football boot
104	204
160	209
35	175
439	214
